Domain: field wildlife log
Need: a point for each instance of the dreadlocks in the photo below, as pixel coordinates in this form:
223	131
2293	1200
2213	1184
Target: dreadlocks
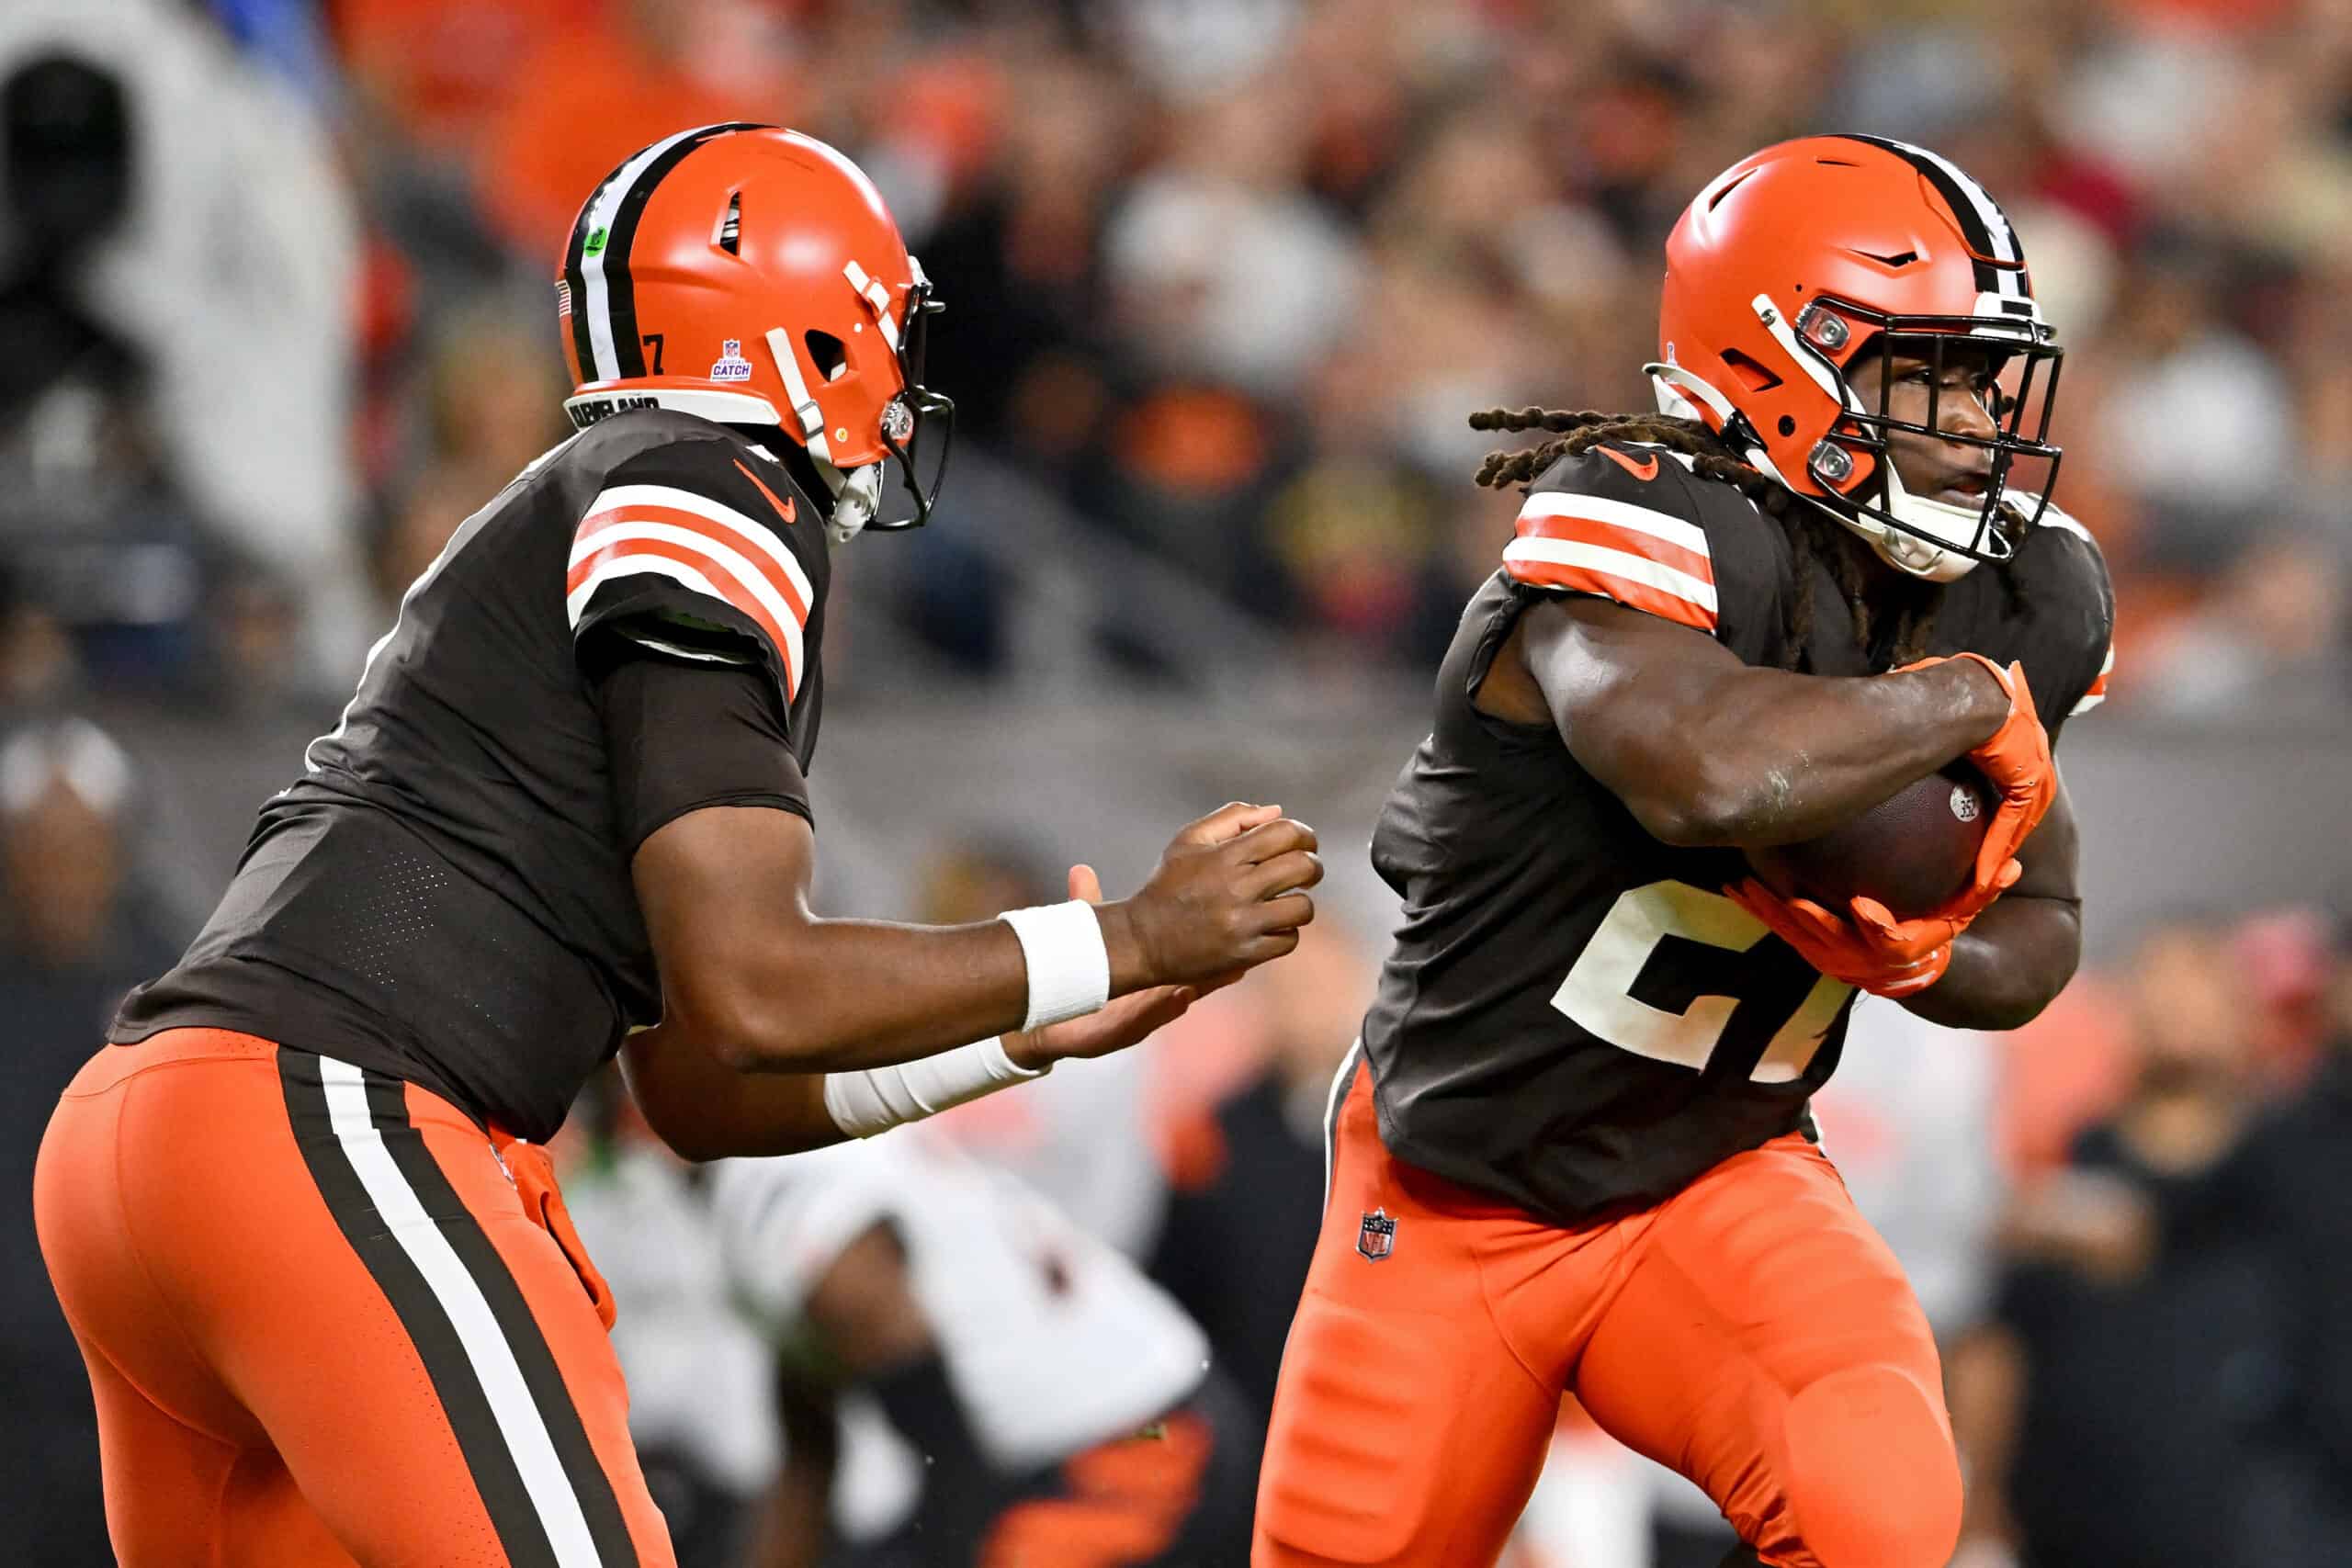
1812	535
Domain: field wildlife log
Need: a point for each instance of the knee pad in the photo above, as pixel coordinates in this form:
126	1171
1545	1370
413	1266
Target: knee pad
1873	1480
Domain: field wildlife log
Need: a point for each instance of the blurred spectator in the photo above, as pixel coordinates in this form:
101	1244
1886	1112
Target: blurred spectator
2271	634
1248	1174
101	539
1077	1136
1010	1390
2302	1172
493	402
2115	1411
231	272
702	1411
595	84
72	943
2198	425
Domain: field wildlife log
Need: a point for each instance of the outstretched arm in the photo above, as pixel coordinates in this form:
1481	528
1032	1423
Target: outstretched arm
1704	749
782	1031
762	998
751	973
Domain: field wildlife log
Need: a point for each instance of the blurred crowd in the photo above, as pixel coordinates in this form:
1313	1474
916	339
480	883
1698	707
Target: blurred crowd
1224	275
1223	278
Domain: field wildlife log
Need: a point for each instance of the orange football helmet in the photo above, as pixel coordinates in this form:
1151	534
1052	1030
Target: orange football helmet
752	276
1800	258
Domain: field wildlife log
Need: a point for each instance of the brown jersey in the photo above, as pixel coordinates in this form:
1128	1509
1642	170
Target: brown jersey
444	897
1574	1017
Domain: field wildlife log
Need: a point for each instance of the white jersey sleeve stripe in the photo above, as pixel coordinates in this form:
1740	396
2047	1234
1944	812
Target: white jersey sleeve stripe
592	267
1619	514
2097	693
749	531
623	530
677	571
1614	563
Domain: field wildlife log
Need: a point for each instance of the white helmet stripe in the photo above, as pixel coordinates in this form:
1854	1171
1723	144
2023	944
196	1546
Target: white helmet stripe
2000	239
1988	211
592	267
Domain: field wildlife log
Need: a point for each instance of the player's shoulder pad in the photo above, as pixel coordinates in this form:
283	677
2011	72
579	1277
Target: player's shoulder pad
1630	522
676	518
2063	574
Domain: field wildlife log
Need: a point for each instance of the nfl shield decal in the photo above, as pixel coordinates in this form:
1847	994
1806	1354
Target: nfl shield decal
1377	1236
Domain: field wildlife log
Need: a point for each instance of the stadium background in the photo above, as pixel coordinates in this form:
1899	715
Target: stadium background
1223	277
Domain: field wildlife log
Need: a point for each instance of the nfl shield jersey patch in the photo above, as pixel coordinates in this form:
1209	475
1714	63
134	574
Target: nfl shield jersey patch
1377	1236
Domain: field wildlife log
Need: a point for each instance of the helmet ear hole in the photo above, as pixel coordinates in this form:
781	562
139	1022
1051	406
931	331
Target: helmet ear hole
826	352
1752	375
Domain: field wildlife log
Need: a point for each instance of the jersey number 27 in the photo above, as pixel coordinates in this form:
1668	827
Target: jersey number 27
1676	973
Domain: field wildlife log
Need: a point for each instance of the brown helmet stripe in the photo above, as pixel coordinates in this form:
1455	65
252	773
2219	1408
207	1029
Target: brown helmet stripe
603	299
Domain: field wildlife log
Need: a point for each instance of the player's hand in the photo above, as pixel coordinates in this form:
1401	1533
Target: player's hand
1872	952
1229	895
1118	1023
2016	762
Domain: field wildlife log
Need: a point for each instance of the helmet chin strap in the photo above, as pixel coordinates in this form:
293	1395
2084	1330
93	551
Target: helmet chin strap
857	494
1912	553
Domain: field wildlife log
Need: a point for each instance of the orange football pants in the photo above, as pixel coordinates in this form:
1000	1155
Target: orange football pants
1751	1332
324	1324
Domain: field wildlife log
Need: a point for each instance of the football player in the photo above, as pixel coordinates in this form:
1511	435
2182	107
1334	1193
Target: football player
297	1211
1573	1152
1063	1405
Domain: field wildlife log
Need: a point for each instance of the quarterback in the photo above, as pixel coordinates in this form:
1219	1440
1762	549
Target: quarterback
1572	1153
296	1211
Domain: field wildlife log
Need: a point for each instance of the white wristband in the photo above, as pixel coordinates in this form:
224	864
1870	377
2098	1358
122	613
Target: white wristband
1069	969
862	1104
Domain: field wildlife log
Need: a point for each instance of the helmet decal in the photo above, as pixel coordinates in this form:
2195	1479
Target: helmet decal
603	319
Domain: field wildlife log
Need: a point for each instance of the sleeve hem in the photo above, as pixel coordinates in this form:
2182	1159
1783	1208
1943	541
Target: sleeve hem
725	797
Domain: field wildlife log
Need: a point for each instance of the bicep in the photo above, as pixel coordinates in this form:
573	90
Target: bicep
719	887
709	804
1619	683
680	735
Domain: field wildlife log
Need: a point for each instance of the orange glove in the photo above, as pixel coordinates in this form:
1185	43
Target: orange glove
2015	761
1872	952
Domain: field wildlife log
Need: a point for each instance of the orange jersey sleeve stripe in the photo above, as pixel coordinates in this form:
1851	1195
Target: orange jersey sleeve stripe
615	560
693	522
1568	514
2096	693
1664	602
1616	536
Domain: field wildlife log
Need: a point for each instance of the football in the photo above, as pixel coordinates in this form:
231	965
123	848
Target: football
1911	852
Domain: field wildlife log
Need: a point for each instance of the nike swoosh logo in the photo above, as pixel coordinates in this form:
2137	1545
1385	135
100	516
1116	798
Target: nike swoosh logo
784	509
1644	469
